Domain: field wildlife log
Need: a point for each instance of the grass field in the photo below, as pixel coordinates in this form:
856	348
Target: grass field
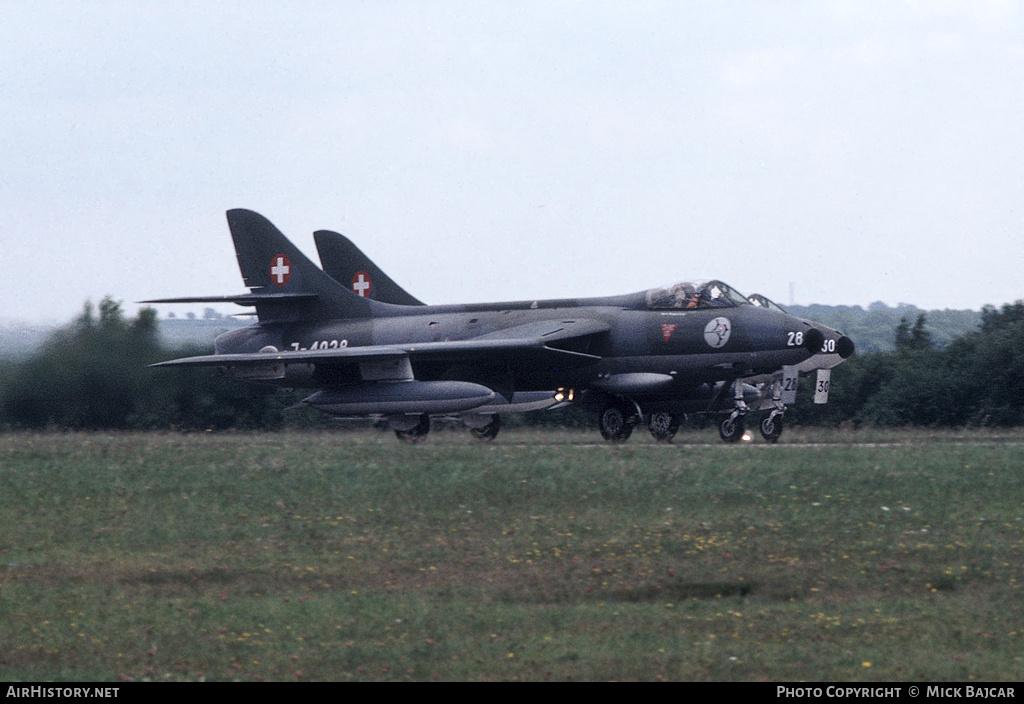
541	556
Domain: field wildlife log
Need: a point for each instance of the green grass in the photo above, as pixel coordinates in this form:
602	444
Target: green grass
864	556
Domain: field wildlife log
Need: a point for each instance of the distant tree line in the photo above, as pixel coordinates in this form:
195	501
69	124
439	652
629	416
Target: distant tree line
872	327
975	380
94	374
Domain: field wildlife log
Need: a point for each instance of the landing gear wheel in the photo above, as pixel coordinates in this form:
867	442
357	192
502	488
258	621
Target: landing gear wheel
417	434
771	427
731	429
489	431
663	426
614	424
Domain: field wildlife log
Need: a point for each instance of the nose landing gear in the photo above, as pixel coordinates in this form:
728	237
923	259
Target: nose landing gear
771	426
732	428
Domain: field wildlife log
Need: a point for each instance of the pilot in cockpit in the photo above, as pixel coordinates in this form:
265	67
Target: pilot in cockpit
695	296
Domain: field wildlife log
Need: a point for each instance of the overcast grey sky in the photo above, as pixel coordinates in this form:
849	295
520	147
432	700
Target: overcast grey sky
482	151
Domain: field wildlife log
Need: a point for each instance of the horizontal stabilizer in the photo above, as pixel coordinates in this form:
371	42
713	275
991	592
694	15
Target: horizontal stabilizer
242	299
285	286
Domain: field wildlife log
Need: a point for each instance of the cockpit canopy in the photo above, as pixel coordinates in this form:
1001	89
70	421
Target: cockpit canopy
695	295
764	302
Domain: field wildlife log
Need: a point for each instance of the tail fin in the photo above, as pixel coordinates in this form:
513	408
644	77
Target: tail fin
346	264
286	286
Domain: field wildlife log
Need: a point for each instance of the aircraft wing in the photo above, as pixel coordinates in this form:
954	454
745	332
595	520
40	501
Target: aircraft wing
524	342
547	331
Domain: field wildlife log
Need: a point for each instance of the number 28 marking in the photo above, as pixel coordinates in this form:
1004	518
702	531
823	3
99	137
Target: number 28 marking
796	339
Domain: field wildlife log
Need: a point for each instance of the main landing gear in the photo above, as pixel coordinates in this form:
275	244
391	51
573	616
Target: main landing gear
415	430
616	422
663	426
488	431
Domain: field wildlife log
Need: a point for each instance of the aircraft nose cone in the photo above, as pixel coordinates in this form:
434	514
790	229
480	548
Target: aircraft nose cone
845	347
813	340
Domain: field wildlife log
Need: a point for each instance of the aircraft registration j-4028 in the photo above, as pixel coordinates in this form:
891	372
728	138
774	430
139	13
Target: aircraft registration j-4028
365	347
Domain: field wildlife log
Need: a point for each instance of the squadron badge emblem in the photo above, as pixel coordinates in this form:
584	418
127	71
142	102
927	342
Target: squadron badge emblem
716	333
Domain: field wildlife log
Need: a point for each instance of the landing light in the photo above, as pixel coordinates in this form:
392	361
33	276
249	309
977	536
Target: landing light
564	395
747	437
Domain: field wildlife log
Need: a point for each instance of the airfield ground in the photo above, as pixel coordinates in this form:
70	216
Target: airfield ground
831	556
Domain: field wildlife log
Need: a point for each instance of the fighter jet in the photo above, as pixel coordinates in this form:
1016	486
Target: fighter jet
344	261
649	356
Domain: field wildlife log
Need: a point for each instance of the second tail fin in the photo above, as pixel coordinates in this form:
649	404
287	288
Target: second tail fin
345	263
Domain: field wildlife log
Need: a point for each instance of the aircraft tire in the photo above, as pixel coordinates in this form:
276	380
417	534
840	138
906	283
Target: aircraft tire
731	429
614	424
489	431
663	426
771	428
415	435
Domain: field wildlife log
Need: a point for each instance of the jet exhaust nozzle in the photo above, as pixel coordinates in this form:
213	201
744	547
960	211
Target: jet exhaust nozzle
814	339
845	347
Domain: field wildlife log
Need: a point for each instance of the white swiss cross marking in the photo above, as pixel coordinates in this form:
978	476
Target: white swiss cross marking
280	270
361	284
